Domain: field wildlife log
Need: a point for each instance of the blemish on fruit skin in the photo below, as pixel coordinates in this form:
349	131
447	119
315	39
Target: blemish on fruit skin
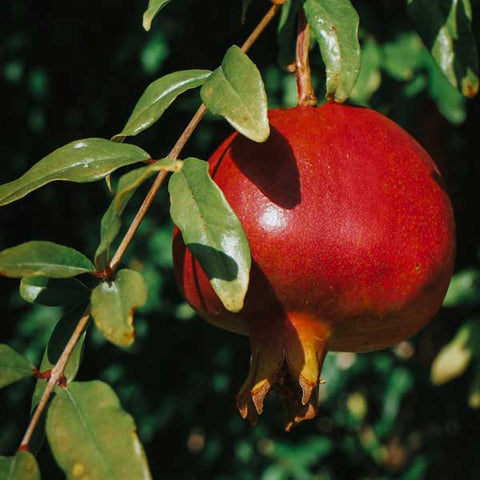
418	267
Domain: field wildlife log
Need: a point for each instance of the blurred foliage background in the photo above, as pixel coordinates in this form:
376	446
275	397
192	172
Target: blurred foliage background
71	70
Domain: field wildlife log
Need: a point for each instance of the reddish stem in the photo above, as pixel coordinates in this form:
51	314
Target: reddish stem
306	94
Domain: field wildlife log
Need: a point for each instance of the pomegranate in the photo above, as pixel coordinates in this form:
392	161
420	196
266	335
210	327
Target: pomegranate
352	238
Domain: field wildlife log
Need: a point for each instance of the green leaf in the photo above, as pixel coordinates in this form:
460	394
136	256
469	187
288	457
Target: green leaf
245	5
81	161
58	339
474	392
22	466
154	6
286	32
236	91
464	289
92	437
212	231
454	358
13	366
53	292
158	96
111	220
113	305
334	24
445	27
43	258
403	56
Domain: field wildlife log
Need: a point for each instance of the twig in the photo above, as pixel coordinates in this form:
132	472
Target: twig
178	147
55	378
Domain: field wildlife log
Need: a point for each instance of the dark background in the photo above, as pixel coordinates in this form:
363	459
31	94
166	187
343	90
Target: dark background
72	70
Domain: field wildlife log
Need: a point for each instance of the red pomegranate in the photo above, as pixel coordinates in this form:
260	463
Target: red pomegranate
352	238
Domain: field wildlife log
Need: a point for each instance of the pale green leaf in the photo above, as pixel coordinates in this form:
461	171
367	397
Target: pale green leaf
114	303
236	91
53	292
43	258
445	27
22	466
154	6
334	24
212	231
92	437
111	220
158	96
370	78
13	366
81	161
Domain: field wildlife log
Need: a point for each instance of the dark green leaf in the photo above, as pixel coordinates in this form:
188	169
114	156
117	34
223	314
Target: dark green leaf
111	221
158	96
43	258
212	231
53	292
80	161
154	6
464	289
286	32
245	5
236	91
22	466
13	366
114	303
92	437
445	26
334	24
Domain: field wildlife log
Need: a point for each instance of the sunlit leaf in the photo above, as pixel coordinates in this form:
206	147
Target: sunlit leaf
114	303
92	437
334	24
13	366
111	220
212	231
154	6
22	466
445	27
158	96
53	292
236	91
43	258
80	162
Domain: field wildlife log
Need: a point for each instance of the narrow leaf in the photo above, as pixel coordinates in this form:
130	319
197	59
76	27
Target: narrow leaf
111	220
158	96
286	32
236	91
53	292
43	258
22	466
212	231
245	5
154	6
334	24
13	366
92	437
448	36
80	161
114	303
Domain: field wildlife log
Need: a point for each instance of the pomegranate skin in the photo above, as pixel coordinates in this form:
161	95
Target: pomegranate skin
352	238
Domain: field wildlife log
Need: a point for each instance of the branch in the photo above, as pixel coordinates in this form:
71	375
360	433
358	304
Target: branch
178	147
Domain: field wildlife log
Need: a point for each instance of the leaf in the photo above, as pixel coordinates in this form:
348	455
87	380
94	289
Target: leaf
22	466
81	161
58	339
43	258
53	292
113	305
154	6
454	358
334	24
92	437
445	27
463	289
128	183
286	32
158	96
212	231
245	5
236	91
13	366
474	392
